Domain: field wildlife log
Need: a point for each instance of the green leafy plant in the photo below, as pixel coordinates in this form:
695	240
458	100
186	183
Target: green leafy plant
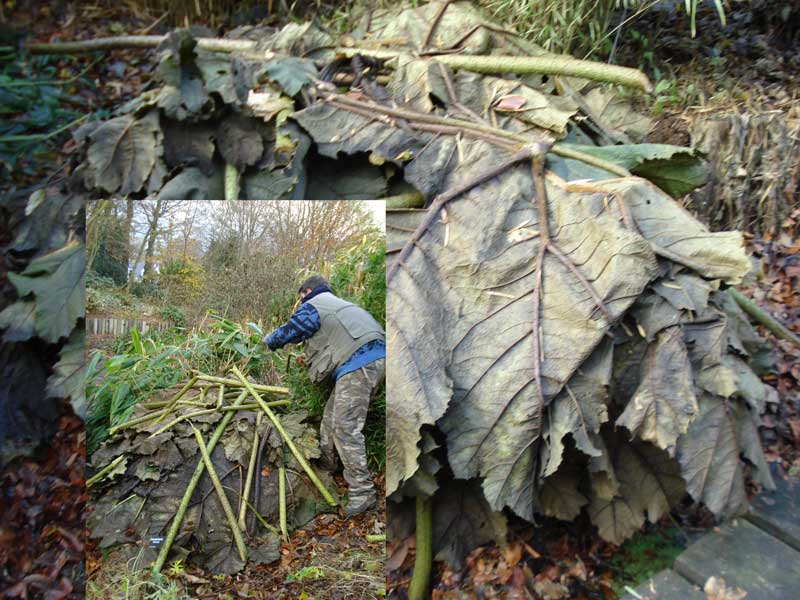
174	315
37	108
644	555
176	568
306	573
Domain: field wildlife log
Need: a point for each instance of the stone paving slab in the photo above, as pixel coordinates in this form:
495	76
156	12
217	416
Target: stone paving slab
778	512
746	557
666	585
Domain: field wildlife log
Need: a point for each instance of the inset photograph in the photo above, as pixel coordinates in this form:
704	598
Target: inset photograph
236	402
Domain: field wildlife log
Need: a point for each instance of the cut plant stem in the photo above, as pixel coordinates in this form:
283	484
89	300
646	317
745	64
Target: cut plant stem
221	396
524	65
375	539
171	424
261	519
297	454
499	137
104	471
175	527
210	411
223	499
177	397
251	467
270	389
496	64
282	501
231	182
420	580
764	318
256	406
407	200
132	422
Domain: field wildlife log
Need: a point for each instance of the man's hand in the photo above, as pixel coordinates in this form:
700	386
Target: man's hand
300	359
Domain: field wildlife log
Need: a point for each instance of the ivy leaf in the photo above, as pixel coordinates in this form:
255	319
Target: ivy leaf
69	378
123	152
57	282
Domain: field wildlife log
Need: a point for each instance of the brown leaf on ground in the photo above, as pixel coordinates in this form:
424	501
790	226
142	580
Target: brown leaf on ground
715	589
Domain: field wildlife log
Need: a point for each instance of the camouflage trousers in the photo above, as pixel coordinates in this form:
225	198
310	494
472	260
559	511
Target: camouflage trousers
343	422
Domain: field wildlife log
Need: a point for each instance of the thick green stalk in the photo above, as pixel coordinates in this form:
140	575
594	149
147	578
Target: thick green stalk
523	65
519	65
297	454
104	471
420	580
764	318
231	182
255	406
282	502
407	200
133	422
40	137
177	397
270	389
223	499
187	496
171	424
251	467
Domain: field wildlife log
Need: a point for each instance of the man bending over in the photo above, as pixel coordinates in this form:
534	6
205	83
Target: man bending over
345	342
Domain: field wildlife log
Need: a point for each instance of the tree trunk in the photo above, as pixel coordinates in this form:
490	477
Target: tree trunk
127	233
151	240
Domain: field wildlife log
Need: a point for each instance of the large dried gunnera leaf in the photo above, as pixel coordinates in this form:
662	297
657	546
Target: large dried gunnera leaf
677	234
514	106
463	520
664	403
56	280
579	410
410	27
709	456
123	151
494	422
69	373
649	485
474	275
560	494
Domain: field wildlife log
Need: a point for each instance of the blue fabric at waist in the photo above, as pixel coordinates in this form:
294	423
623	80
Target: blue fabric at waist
369	352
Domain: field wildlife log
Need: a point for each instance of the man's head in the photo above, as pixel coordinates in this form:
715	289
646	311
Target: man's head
312	282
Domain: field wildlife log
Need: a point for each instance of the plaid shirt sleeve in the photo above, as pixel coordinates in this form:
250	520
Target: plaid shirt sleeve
301	325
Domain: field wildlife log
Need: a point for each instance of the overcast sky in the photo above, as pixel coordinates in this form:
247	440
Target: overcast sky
378	210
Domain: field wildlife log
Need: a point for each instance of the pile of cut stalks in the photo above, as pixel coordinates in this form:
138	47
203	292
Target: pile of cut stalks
225	395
